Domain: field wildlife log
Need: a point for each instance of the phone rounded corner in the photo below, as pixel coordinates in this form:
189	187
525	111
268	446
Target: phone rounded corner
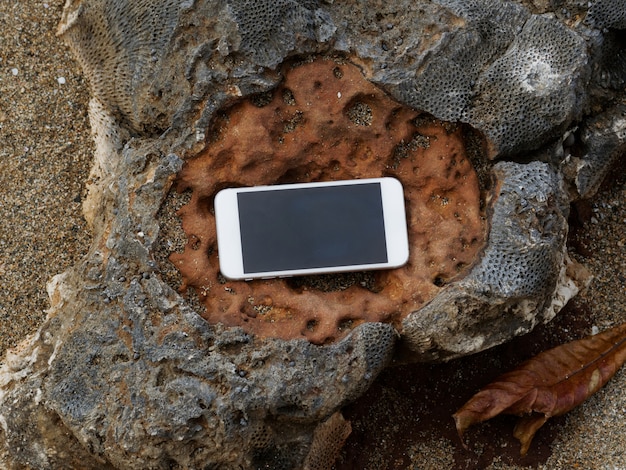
394	182
231	276
401	260
405	258
219	196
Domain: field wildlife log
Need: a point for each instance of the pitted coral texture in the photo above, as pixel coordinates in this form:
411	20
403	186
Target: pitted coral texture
326	122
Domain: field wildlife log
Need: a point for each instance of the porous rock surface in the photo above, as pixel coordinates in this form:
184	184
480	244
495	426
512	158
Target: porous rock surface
126	373
326	122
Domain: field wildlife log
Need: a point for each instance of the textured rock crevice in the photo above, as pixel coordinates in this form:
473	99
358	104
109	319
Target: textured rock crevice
512	289
324	123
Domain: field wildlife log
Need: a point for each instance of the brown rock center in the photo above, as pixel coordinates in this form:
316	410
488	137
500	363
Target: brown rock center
326	122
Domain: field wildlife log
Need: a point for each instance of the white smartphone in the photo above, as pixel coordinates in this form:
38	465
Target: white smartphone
311	228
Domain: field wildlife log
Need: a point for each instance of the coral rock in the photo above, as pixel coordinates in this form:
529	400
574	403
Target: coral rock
326	122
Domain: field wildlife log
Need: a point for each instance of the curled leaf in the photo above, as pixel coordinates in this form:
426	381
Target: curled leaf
550	384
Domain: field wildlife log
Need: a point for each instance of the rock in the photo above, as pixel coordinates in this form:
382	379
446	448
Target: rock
128	373
326	122
603	139
516	284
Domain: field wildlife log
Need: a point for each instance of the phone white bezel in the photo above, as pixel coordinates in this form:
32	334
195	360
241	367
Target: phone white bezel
230	253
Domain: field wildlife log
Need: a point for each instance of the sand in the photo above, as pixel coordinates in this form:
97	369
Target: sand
45	155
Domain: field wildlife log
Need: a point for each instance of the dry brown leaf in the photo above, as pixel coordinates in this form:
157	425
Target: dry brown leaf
550	384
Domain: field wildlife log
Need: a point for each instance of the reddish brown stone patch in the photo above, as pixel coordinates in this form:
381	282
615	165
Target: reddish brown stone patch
326	122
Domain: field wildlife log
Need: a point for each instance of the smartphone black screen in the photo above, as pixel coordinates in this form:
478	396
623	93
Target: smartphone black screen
312	227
